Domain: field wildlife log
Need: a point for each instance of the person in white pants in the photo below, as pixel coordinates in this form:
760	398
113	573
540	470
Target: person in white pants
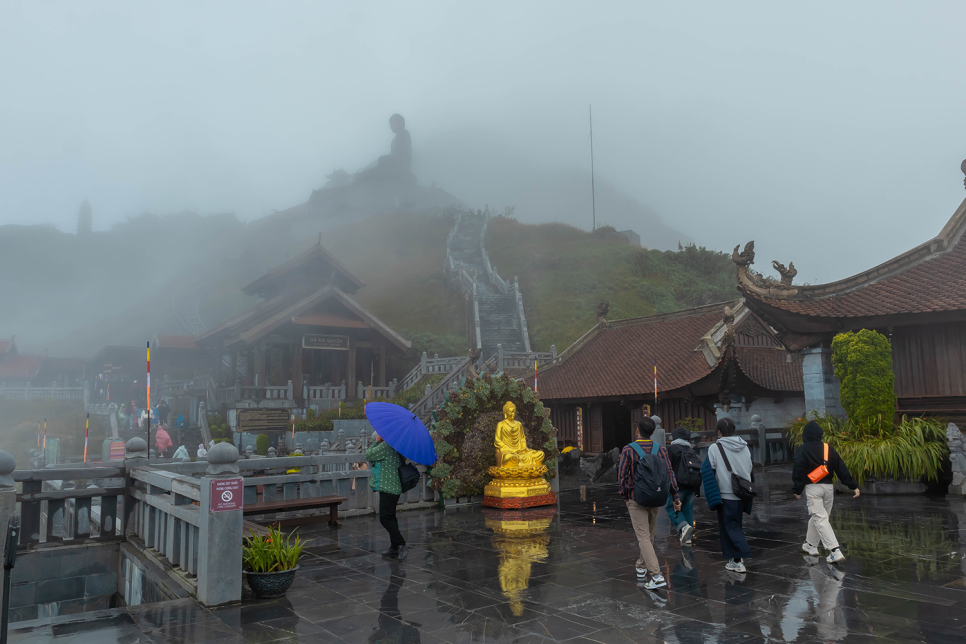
815	464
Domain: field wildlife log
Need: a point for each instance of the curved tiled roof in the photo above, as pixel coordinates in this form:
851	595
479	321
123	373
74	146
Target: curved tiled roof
773	369
619	359
928	278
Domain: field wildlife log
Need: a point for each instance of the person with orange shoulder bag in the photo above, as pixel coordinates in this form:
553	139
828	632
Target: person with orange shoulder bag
815	463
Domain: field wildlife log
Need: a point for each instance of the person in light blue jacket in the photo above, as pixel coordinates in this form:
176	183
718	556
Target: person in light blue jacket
735	449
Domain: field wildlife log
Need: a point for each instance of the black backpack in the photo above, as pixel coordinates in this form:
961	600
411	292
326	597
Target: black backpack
408	476
687	469
652	480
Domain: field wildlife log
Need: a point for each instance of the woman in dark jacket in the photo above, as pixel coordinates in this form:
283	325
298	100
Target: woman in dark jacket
819	495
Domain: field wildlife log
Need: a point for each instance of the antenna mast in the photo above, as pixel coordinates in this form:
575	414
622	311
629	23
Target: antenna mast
593	197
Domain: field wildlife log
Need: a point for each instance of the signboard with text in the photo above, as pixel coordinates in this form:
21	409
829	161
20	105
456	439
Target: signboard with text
226	494
320	341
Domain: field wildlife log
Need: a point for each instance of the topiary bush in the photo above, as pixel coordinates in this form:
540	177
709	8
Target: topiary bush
863	365
465	426
261	444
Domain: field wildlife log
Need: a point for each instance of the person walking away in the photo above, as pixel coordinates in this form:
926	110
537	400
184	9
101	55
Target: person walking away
385	480
729	455
687	471
162	440
163	411
815	463
645	479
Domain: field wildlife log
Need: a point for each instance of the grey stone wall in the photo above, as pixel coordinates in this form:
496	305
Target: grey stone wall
821	385
65	579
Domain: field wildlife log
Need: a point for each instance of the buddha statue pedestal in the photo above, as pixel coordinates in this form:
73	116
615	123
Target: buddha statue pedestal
518	487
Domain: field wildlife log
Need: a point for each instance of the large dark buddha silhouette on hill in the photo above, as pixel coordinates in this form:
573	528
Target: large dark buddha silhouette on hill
398	164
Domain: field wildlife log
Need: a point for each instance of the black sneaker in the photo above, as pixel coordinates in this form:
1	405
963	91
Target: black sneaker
402	552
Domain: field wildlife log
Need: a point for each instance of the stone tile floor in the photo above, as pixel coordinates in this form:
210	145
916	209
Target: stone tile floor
573	581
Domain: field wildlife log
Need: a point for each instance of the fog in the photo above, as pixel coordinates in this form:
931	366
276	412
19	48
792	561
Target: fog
830	133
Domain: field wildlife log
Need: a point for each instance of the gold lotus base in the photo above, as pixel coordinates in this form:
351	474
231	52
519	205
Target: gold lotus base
517	482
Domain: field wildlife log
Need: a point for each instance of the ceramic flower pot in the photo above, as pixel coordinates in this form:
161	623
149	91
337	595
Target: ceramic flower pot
266	585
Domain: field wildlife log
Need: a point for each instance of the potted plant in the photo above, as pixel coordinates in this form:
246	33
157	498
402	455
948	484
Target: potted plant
270	562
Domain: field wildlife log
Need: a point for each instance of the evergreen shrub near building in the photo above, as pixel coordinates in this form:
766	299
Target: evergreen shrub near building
869	440
261	444
464	427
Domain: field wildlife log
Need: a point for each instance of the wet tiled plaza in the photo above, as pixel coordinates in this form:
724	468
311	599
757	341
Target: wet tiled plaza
567	575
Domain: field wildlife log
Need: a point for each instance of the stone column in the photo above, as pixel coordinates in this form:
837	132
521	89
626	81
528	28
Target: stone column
219	547
8	501
821	385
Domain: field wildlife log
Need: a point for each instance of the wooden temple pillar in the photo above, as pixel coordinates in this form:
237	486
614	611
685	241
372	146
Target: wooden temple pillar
297	369
350	372
262	350
382	365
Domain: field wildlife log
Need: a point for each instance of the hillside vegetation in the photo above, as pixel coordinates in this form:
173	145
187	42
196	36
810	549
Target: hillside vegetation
565	272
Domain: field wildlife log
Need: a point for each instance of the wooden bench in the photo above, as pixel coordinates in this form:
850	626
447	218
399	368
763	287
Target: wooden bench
331	501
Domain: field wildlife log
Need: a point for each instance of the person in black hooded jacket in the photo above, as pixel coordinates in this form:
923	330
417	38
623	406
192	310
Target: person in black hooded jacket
819	495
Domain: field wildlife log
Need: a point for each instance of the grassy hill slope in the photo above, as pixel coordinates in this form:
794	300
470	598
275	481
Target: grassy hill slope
565	272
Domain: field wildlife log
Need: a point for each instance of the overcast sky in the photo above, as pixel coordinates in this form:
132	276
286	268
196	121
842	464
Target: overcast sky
831	133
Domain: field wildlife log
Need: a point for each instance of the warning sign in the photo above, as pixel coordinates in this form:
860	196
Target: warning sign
226	494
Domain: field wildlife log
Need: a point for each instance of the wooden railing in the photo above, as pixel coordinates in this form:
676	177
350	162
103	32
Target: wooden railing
70	505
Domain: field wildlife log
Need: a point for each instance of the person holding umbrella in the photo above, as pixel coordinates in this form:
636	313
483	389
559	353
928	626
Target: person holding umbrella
398	434
385	480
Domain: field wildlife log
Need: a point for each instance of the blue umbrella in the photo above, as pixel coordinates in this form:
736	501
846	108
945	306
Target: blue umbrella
404	432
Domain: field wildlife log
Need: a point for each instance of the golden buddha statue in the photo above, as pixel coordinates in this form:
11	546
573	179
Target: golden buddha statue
518	475
511	442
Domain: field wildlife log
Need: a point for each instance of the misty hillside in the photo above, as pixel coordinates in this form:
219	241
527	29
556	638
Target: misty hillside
484	168
73	295
565	272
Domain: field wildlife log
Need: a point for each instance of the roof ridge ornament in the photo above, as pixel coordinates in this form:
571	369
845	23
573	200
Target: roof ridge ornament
962	167
758	283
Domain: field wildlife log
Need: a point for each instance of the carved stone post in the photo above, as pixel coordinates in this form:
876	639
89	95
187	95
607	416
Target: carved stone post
220	544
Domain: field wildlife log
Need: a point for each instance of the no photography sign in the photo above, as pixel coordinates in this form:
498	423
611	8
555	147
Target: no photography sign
226	494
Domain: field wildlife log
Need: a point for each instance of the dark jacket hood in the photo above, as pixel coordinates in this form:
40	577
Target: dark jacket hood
681	432
812	432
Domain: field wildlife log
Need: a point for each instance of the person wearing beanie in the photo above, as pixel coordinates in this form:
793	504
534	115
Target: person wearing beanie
818	490
681	454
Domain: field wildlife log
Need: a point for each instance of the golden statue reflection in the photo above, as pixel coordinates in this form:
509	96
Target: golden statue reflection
521	541
511	442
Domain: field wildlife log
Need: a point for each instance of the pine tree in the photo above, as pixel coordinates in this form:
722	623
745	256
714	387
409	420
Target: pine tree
85	219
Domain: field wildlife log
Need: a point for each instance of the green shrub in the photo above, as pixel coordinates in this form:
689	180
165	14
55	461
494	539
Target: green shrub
914	448
863	365
261	444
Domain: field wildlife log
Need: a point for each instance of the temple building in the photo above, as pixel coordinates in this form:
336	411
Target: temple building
917	299
308	344
711	360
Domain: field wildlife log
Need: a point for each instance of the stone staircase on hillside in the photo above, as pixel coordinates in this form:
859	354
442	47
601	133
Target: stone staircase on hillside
499	306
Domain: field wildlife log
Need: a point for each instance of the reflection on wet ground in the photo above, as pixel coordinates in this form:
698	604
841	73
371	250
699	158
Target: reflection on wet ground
475	575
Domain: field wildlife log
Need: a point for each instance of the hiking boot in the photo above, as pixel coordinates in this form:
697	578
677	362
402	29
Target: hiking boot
735	566
835	556
686	532
392	553
810	549
403	551
655	581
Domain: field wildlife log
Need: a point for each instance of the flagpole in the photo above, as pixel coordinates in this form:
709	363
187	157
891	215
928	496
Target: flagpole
655	387
87	431
534	375
149	398
45	440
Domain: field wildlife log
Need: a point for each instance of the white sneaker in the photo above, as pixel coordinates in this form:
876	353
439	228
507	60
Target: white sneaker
686	532
656	581
810	549
735	566
641	574
835	556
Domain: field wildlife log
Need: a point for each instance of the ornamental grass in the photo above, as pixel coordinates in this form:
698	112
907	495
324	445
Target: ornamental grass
273	552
